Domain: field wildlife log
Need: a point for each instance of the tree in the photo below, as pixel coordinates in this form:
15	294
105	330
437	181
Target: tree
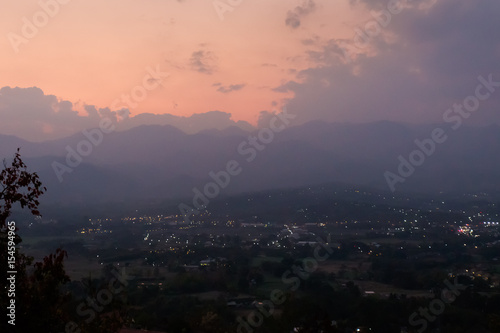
18	186
41	302
38	301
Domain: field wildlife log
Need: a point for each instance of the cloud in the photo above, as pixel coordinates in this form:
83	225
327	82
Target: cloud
264	118
202	61
427	58
308	41
30	114
329	52
293	17
230	88
372	4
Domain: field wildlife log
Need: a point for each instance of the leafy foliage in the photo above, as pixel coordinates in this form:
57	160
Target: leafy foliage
18	186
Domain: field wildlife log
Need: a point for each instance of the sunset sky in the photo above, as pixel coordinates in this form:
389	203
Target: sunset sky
252	56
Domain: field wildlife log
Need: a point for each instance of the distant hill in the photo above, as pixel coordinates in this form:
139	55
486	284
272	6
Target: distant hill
153	162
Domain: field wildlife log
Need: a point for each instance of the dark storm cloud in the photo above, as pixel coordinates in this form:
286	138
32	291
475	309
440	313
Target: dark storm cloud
422	62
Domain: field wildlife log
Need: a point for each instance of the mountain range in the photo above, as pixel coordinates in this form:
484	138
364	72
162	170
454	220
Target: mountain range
152	162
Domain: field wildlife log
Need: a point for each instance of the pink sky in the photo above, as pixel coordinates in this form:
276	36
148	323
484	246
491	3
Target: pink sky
264	55
91	52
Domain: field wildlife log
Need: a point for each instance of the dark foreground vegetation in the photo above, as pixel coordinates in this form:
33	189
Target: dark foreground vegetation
362	269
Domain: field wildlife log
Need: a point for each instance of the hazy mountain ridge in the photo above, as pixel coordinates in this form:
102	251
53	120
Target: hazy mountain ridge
164	162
